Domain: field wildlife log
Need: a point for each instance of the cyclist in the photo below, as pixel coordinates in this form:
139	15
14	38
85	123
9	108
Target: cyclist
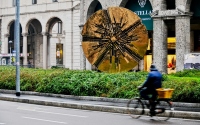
148	89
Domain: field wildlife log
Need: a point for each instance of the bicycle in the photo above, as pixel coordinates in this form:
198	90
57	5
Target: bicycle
163	107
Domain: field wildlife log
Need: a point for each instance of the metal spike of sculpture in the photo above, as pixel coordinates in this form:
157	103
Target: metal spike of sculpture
114	40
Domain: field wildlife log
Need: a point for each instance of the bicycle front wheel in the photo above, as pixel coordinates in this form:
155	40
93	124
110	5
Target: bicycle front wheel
164	109
135	108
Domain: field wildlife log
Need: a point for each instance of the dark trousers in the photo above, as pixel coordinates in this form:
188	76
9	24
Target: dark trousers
146	93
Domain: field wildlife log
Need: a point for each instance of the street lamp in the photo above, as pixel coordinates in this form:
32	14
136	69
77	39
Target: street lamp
10	43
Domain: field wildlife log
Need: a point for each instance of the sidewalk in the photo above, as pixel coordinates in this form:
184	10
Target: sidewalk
115	105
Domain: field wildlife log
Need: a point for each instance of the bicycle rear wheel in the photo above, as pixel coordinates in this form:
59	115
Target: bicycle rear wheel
135	108
164	110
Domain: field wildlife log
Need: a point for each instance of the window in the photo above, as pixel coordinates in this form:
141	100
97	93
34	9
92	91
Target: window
59	54
14	3
170	4
34	1
59	27
55	0
196	41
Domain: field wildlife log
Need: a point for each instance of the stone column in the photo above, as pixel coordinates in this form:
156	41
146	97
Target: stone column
82	56
88	65
141	65
44	50
82	21
182	40
25	49
160	44
5	44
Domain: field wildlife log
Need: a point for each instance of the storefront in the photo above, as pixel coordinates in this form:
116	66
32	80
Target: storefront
173	29
143	10
59	54
10	59
5	59
171	57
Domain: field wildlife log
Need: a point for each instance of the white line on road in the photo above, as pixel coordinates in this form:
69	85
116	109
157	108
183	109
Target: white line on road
193	120
45	120
2	123
34	110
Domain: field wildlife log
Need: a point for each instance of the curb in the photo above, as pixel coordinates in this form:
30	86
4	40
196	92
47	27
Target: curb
113	109
92	98
103	108
88	98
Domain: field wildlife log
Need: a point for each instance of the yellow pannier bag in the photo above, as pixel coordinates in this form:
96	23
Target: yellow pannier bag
164	93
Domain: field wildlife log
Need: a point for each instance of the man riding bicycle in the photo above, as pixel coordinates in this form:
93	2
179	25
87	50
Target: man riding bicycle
153	81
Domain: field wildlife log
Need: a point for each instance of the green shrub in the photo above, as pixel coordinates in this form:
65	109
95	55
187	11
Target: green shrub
187	73
91	83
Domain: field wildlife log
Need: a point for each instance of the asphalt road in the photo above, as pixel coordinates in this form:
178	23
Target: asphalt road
13	113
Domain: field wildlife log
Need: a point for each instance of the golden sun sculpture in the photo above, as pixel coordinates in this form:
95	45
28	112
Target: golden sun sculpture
114	40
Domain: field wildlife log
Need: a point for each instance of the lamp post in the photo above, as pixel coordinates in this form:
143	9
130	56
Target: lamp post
17	40
10	43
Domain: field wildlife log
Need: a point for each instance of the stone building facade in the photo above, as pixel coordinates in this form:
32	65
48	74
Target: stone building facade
175	31
49	33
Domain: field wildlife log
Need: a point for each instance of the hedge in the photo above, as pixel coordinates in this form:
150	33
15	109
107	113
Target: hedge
91	83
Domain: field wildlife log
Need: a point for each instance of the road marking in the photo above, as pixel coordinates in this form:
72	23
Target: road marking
192	120
2	123
34	110
44	120
26	108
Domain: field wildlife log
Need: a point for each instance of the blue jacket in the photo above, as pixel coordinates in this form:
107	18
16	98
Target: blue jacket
154	80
